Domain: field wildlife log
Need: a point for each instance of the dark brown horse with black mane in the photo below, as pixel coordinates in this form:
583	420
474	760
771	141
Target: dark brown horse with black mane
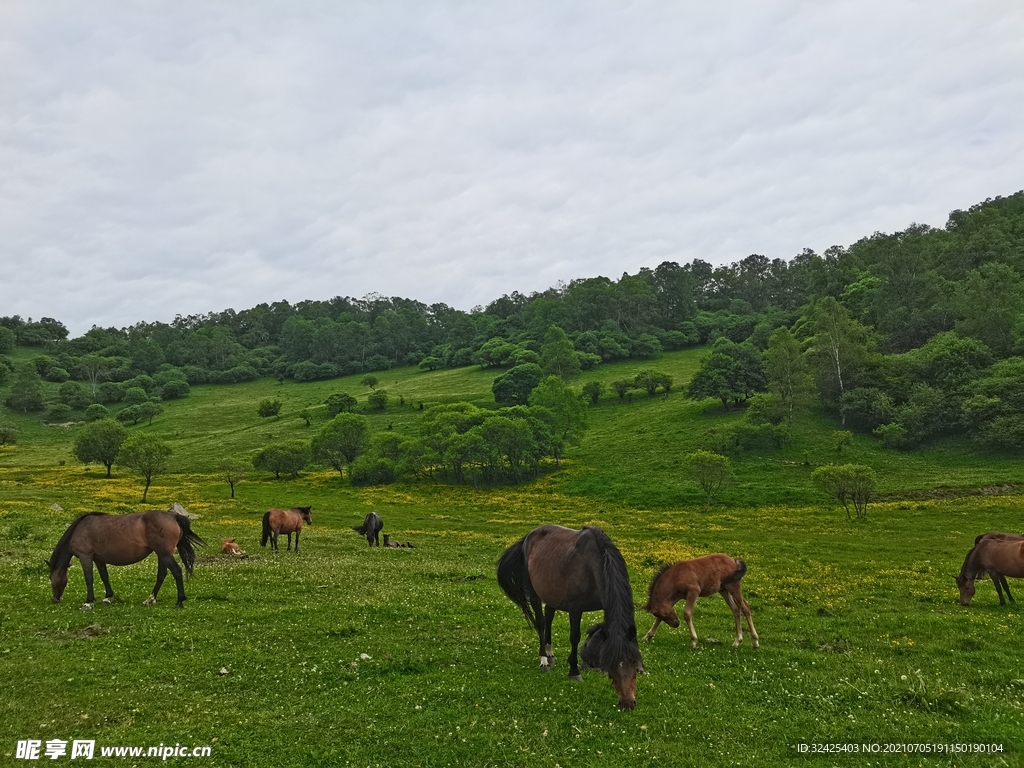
997	554
278	521
700	577
370	528
559	569
105	540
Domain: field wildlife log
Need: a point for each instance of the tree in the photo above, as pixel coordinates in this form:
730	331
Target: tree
623	386
569	411
788	375
339	402
711	471
147	455
269	407
515	385
233	471
100	442
839	347
650	379
7	340
173	389
135	396
378	399
593	390
26	390
340	441
557	354
96	411
370	381
8	435
731	372
848	483
431	363
290	458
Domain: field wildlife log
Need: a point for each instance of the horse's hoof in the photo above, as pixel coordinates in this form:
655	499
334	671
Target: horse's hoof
150	601
756	644
577	678
108	600
86	606
693	644
736	643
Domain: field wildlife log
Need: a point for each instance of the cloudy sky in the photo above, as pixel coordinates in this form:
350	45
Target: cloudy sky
159	158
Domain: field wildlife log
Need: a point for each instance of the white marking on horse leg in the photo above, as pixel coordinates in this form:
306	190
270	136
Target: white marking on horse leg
650	633
108	600
151	600
544	664
86	606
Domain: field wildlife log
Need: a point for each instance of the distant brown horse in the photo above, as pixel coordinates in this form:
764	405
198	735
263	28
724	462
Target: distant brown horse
278	521
105	540
997	554
700	577
559	569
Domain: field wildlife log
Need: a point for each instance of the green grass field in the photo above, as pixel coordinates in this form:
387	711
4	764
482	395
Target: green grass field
344	655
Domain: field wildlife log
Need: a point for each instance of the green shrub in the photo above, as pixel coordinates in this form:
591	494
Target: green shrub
372	471
96	411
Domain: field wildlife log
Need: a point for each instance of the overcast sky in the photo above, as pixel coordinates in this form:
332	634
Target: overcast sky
163	158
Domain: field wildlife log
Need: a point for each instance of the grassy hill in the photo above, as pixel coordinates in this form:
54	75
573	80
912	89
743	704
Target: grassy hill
862	638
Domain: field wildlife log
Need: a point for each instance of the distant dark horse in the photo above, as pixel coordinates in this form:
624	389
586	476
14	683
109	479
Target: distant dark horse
105	540
559	569
997	554
278	521
700	577
370	528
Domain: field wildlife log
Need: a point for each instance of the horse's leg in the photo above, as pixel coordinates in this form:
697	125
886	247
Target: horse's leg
730	600
745	607
1006	586
297	540
289	542
90	598
176	572
108	596
650	633
539	624
691	601
161	574
546	650
999	589
273	540
574	637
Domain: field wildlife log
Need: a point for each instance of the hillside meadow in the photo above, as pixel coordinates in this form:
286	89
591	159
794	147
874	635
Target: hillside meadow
346	655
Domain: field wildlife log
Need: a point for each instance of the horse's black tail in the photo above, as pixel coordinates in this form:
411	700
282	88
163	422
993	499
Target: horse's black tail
739	573
266	529
514	578
187	543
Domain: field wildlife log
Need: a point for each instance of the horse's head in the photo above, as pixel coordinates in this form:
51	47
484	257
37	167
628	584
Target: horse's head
966	587
619	657
58	581
307	514
664	610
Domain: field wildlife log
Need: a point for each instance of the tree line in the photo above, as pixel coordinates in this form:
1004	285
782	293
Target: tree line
910	336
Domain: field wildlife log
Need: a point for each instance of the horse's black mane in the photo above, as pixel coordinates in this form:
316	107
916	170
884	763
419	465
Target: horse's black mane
62	552
617	597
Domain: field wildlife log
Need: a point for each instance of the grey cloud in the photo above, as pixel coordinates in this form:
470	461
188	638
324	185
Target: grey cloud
186	158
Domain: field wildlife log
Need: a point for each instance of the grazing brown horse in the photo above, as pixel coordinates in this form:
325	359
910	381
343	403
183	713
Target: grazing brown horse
105	540
700	577
997	554
278	521
559	569
370	528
